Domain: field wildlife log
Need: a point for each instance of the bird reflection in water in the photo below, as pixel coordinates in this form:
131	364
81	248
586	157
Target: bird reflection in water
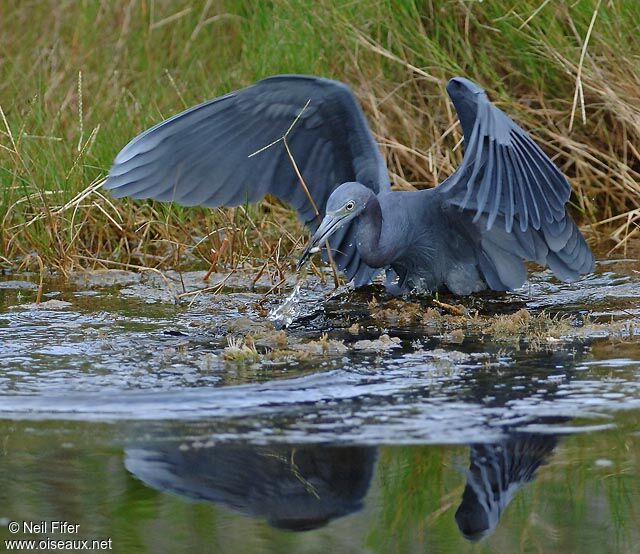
496	472
294	488
300	488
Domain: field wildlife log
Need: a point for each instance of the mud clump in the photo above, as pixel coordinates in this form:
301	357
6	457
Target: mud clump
396	312
278	346
384	342
324	346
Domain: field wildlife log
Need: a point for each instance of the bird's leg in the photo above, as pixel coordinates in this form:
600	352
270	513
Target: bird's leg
393	289
392	282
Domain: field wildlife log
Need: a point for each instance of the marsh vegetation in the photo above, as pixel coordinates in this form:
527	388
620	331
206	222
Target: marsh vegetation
72	97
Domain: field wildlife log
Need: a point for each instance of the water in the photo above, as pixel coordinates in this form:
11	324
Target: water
365	427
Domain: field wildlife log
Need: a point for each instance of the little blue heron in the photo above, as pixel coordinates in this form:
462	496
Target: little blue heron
504	205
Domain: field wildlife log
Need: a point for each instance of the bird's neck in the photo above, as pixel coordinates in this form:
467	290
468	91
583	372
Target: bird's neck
372	249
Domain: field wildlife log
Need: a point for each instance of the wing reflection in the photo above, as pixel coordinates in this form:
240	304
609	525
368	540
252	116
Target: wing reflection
496	472
294	488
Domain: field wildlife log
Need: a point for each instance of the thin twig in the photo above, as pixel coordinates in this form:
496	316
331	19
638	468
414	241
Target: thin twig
283	138
286	134
334	268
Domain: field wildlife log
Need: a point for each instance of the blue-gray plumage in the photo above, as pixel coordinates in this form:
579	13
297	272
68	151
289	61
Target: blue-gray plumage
496	473
505	203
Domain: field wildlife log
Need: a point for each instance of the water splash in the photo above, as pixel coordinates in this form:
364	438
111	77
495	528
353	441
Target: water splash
304	301
287	312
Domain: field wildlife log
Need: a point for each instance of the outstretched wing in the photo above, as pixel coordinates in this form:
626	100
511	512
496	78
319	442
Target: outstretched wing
211	154
516	194
496	473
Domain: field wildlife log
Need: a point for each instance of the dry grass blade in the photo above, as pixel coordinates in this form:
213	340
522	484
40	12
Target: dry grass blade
579	90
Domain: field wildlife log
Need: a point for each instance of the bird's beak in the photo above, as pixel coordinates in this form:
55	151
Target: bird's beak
330	224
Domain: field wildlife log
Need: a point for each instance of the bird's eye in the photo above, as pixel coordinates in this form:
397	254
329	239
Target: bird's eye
350	206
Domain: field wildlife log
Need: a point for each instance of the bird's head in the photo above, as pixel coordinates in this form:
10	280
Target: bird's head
346	203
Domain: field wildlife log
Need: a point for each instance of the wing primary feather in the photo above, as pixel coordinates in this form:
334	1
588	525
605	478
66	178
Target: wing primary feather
527	193
172	131
539	161
160	164
562	189
477	165
471	152
156	135
510	199
488	180
520	205
493	187
532	173
497	195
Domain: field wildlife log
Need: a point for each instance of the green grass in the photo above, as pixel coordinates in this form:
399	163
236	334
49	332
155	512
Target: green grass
78	79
